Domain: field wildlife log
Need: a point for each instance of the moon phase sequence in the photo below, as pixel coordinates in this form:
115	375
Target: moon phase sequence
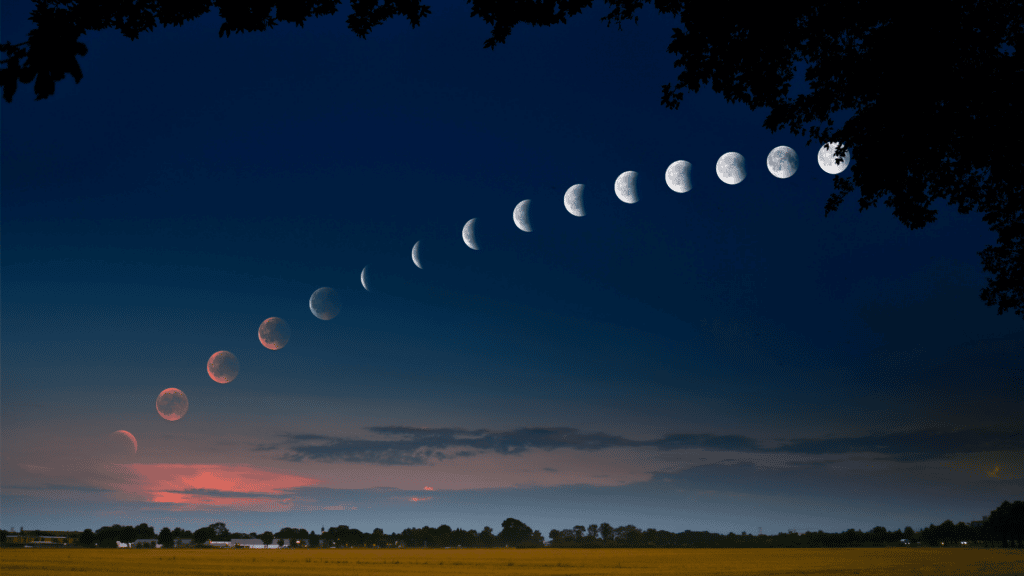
731	168
521	216
783	162
172	404
324	303
827	158
677	176
223	366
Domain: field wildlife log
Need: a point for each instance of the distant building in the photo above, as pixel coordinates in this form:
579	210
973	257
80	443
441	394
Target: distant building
249	543
146	543
220	543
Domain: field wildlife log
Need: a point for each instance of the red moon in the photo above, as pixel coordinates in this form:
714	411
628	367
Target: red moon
125	442
172	404
222	367
274	333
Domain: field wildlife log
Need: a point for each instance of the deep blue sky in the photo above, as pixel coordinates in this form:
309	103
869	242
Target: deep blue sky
724	359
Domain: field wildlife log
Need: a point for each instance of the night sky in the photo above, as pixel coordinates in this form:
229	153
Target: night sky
724	359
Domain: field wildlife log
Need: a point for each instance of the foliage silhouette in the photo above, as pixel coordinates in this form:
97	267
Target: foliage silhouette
930	92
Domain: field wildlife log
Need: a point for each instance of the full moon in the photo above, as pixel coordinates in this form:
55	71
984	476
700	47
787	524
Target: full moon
521	216
124	443
172	404
469	234
324	303
827	158
625	187
574	200
731	168
678	176
365	279
416	255
783	162
223	366
274	333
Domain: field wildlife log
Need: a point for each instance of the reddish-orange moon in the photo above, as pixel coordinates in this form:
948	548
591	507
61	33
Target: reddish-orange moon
274	333
222	367
125	442
172	404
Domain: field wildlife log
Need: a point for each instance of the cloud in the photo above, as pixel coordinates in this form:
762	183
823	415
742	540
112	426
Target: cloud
409	446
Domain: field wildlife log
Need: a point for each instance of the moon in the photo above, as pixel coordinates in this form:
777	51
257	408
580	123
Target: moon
574	200
827	158
521	216
365	279
416	255
469	234
172	404
324	303
223	366
274	333
783	162
625	187
124	443
678	176
731	168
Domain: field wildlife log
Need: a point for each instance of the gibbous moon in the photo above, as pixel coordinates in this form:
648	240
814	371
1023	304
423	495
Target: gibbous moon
678	176
574	200
731	168
172	404
223	366
124	443
521	216
365	279
324	303
783	162
469	234
827	158
274	333
625	187
416	255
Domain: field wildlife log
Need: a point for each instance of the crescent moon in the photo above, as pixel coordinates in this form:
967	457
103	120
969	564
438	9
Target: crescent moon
324	303
574	200
125	438
274	333
521	216
416	255
469	234
625	187
678	176
783	162
827	158
731	168
364	279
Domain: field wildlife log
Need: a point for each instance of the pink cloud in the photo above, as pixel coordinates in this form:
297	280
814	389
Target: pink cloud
421	499
427	488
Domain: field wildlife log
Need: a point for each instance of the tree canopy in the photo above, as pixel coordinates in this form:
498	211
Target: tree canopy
929	94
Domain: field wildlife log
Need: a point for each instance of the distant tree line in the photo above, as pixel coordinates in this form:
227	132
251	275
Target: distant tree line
1004	527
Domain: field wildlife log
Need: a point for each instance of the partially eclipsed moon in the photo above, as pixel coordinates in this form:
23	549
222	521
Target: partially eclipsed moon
731	168
124	443
172	404
783	162
469	234
678	176
416	255
324	303
274	333
223	366
574	200
827	158
365	279
625	187
521	216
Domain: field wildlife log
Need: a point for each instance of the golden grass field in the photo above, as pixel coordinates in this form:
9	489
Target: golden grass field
534	562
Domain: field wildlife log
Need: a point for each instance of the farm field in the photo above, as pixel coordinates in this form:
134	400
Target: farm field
533	562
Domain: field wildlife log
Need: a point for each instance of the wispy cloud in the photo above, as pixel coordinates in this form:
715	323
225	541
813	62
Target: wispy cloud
411	446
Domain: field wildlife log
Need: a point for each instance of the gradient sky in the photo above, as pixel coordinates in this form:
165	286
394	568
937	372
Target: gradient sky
726	359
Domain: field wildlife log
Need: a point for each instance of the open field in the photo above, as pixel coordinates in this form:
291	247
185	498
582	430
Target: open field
543	562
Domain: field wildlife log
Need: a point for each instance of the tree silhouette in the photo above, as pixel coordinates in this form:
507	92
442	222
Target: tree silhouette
929	92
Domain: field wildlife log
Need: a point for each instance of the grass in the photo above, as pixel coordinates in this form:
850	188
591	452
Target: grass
532	562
